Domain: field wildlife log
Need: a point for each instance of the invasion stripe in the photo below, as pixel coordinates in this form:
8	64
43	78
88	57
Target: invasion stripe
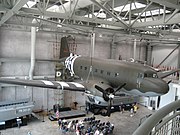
77	85
47	82
63	84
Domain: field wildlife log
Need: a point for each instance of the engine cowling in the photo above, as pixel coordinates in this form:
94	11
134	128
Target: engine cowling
105	89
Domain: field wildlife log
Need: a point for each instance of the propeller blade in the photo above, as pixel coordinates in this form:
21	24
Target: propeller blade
119	88
99	88
109	107
105	94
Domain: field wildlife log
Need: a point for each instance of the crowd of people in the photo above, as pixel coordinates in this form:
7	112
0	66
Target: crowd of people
88	126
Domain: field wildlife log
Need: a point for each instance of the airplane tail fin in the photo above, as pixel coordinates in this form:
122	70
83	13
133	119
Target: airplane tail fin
64	50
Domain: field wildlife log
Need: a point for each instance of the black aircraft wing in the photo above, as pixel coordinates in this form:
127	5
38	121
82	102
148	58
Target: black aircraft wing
71	86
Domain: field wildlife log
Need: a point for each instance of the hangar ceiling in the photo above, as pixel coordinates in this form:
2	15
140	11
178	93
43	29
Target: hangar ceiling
144	17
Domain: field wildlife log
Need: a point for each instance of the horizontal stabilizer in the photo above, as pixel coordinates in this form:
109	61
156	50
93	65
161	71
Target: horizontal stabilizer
164	74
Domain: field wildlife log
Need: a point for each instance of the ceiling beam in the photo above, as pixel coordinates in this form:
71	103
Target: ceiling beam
14	10
67	29
164	32
168	3
74	17
175	19
124	24
141	13
171	16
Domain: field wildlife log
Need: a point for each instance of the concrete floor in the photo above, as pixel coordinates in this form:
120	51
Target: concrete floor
124	124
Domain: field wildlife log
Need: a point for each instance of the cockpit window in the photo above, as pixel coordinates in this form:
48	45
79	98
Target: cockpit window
140	75
155	75
151	75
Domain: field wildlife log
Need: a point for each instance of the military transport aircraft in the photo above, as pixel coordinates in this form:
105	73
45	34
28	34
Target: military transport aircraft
103	78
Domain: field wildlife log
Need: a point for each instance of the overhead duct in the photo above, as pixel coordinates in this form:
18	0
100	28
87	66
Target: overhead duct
33	42
73	5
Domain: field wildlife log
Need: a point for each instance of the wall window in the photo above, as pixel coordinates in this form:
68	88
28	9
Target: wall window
116	74
102	71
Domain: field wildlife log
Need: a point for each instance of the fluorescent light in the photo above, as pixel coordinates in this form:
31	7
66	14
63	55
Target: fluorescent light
110	19
99	15
127	7
59	26
120	18
29	4
89	16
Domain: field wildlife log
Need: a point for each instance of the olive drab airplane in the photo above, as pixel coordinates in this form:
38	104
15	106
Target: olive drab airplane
101	79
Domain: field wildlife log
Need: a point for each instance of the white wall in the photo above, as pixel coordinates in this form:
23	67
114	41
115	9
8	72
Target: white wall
126	50
160	52
174	90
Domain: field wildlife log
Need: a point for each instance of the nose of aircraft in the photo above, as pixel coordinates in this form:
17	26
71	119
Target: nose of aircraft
155	85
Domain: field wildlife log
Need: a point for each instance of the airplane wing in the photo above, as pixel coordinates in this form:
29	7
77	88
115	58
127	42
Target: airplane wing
164	74
71	86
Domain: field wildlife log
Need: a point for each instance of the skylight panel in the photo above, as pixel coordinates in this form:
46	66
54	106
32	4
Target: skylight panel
29	4
127	7
154	12
53	8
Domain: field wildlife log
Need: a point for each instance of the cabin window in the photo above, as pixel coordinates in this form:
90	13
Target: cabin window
81	67
116	74
85	68
108	73
102	71
152	75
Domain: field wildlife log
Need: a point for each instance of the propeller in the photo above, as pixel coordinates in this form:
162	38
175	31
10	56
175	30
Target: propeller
108	96
105	93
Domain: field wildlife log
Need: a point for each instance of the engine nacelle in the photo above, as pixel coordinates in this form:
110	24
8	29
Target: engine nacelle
105	89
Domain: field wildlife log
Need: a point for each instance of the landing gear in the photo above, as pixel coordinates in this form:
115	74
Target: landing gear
95	109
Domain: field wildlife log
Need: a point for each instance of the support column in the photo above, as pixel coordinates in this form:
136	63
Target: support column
134	49
113	47
33	43
45	99
178	66
93	35
149	54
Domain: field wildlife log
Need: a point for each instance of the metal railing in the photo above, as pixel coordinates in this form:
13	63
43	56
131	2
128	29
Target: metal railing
166	121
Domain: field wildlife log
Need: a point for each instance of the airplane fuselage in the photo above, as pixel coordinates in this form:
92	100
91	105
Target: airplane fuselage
140	79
